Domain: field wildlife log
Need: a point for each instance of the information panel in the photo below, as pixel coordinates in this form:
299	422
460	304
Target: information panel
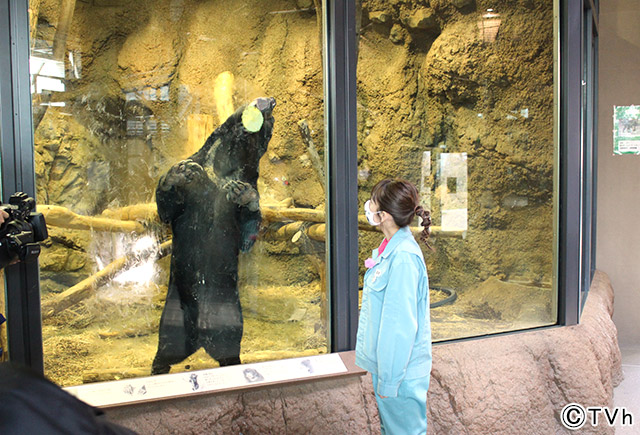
210	380
626	130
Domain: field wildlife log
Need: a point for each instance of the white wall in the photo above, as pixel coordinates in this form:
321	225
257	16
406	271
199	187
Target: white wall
618	239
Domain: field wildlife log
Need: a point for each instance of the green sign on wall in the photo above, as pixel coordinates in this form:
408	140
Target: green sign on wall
626	130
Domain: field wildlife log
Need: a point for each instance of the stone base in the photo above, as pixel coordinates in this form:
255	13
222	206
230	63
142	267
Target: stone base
519	383
515	384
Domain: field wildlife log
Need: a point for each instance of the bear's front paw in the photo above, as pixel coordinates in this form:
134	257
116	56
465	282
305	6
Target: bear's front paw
242	194
181	174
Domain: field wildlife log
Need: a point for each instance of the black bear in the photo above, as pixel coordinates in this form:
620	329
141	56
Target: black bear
212	203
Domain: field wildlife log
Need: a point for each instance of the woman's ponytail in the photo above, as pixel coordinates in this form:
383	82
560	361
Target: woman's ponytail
425	215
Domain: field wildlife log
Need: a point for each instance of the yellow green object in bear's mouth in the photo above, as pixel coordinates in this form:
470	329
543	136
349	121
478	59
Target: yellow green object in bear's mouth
252	119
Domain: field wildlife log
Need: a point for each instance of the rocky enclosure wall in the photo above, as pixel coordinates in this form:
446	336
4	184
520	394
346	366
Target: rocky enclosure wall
510	384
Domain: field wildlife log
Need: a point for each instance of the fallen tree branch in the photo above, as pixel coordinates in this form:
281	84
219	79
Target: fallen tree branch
87	287
137	212
305	132
63	217
127	219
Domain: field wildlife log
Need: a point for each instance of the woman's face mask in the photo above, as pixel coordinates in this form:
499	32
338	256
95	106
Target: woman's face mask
370	214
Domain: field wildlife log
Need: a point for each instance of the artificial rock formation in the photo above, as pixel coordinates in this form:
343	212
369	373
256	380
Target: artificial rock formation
520	383
516	384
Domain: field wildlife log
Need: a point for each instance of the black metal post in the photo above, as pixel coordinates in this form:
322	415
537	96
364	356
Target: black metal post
340	91
24	328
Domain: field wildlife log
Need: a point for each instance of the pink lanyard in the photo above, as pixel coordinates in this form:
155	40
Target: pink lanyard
382	246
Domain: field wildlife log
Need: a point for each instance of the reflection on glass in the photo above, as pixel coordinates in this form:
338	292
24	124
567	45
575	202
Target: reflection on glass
180	168
457	97
452	191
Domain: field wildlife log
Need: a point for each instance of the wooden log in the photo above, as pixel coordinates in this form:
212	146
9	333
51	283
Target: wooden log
118	220
138	212
279	214
62	28
289	231
270	213
87	287
149	211
317	232
82	290
63	217
285	232
223	94
199	128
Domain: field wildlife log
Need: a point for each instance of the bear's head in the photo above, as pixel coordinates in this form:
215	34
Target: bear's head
243	139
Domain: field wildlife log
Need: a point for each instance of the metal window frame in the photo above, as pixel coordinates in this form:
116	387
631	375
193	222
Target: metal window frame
578	157
594	180
569	234
342	162
592	166
589	151
24	327
340	61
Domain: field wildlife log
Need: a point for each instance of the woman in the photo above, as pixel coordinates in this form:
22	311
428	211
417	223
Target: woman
394	331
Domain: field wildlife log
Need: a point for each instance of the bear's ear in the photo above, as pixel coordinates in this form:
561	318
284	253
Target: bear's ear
252	118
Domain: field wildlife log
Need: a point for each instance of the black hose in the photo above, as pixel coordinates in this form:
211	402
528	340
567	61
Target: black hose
452	296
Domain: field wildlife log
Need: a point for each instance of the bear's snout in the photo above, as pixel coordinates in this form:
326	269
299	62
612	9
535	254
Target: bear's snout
266	105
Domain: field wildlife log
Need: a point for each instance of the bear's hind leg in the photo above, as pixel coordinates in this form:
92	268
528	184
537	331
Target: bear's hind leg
223	346
232	361
220	329
176	340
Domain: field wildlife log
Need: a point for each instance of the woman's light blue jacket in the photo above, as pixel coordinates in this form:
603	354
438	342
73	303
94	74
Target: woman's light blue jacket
394	330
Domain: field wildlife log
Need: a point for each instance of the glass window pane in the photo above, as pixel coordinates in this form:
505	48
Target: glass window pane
3	303
4	347
180	165
458	97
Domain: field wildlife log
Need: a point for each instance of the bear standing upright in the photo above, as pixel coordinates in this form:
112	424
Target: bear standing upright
212	203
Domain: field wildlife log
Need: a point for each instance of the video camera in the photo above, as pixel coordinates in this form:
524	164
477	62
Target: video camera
21	231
